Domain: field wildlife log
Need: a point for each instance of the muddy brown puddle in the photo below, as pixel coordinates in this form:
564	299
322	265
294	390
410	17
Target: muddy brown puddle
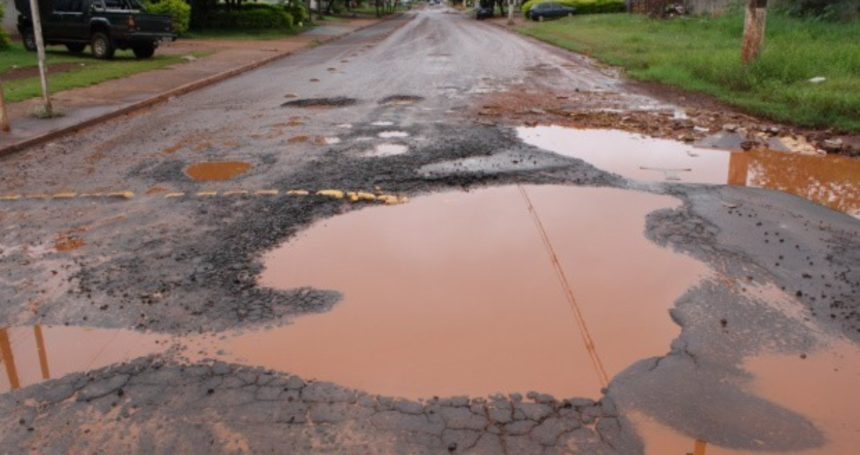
455	294
216	170
30	354
832	181
828	398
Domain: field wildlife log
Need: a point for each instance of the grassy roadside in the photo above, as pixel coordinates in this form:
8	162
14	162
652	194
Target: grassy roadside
703	54
87	70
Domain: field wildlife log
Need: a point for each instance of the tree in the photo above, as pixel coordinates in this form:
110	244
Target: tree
753	30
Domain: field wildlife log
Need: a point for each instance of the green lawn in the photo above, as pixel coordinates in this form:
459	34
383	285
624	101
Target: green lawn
88	72
703	54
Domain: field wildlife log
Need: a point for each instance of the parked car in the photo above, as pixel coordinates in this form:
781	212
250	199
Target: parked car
483	12
549	10
104	25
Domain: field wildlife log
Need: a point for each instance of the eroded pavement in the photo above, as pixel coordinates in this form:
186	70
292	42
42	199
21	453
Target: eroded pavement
383	246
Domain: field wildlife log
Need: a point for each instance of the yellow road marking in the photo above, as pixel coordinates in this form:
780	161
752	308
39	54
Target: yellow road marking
352	196
65	195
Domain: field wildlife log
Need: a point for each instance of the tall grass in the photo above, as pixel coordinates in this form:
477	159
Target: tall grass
703	54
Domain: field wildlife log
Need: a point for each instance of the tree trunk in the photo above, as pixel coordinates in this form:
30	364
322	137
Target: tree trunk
753	30
4	115
510	12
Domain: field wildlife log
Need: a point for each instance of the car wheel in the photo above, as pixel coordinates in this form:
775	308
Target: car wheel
102	46
76	48
29	39
144	50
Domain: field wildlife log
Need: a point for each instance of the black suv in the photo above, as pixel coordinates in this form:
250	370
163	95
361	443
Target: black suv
104	25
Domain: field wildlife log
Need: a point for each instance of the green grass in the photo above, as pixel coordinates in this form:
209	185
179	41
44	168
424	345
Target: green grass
89	72
703	54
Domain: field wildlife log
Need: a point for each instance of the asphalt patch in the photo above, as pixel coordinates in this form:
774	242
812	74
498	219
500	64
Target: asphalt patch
338	101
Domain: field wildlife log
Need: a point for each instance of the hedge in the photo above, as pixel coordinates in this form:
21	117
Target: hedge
583	6
256	16
177	9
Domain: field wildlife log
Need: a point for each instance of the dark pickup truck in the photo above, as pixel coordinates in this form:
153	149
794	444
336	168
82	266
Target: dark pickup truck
106	25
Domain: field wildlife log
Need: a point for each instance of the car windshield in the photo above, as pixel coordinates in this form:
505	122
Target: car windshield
118	5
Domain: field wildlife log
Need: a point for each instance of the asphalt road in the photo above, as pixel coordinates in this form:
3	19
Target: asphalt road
181	258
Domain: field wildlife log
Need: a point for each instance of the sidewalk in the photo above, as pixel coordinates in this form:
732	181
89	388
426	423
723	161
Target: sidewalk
92	105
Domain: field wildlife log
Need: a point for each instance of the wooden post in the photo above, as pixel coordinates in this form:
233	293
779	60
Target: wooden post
753	30
4	114
40	50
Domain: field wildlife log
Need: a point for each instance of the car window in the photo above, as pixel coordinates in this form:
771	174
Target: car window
64	6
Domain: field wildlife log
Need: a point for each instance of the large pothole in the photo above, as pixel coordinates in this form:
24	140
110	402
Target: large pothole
457	294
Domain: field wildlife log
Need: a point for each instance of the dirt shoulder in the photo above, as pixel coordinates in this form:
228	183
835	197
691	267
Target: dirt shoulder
700	115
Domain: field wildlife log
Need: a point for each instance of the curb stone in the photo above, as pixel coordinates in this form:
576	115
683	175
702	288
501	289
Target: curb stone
168	95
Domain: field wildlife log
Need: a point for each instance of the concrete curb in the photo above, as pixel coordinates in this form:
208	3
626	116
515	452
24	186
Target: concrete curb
165	96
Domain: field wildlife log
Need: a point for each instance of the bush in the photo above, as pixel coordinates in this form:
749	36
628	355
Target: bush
583	6
298	11
251	17
177	9
823	9
4	38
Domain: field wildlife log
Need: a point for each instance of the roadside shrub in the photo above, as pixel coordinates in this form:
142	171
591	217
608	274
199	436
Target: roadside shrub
828	10
177	9
4	38
297	10
251	17
583	6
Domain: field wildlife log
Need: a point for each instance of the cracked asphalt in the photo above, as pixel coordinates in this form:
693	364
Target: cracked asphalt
189	266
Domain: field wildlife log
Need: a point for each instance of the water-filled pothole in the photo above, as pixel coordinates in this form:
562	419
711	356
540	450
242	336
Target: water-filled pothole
454	293
816	385
338	101
35	353
216	170
833	181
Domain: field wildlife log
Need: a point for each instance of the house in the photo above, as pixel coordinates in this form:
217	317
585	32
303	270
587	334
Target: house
10	18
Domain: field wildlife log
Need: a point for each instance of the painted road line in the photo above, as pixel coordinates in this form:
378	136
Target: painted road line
352	196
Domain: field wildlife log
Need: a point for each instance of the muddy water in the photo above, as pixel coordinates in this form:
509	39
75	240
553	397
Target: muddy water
216	170
454	293
32	354
828	398
832	181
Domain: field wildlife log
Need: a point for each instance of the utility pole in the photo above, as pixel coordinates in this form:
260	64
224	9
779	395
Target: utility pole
40	51
753	30
4	115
